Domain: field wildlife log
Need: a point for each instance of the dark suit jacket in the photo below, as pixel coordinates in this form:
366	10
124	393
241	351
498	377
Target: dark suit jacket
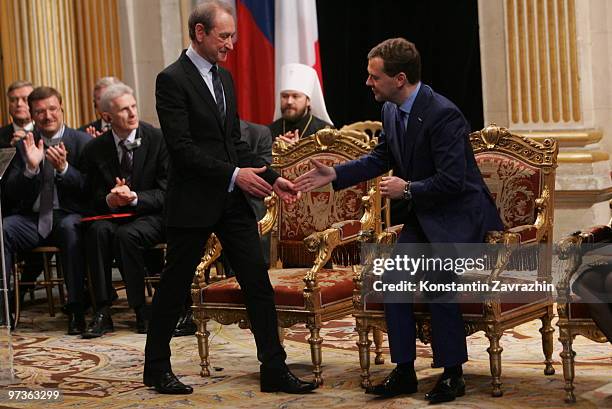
450	199
259	139
23	191
203	151
96	124
149	172
6	134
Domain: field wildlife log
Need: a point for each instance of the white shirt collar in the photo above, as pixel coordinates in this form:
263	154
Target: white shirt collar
28	128
57	135
200	62
131	137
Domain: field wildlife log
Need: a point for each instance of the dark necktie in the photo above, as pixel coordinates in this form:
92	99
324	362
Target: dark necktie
45	209
125	166
218	88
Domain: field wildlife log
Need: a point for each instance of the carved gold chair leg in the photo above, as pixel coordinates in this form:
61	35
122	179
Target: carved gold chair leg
202	336
315	342
567	356
364	353
378	341
495	351
547	332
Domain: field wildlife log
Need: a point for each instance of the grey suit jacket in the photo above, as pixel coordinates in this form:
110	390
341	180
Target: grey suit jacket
259	139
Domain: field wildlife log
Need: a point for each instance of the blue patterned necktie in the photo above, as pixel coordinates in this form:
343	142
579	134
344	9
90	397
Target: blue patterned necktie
218	88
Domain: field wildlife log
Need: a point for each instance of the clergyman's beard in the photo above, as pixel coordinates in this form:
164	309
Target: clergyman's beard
294	117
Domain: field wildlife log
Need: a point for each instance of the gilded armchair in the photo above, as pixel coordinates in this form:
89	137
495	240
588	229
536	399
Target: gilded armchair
520	174
574	315
322	226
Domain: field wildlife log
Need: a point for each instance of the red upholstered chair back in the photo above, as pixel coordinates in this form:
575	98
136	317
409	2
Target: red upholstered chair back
516	170
514	184
319	209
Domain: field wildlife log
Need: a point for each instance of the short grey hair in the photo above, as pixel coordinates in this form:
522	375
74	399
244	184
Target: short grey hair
205	13
111	92
18	84
106	82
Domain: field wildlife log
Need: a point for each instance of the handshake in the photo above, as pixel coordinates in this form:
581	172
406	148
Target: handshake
289	191
391	187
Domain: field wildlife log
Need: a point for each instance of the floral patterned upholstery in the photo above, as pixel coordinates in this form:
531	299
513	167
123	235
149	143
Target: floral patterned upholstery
316	211
335	284
514	185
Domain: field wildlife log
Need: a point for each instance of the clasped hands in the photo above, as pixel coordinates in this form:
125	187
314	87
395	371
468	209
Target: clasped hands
121	195
390	187
35	153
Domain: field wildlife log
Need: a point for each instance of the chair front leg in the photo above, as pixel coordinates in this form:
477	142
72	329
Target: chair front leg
495	350
547	332
315	342
202	336
567	355
364	353
378	341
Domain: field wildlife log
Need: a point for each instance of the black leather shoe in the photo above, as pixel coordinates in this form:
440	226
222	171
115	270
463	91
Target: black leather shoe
167	383
100	325
185	325
76	323
396	383
282	380
142	324
446	390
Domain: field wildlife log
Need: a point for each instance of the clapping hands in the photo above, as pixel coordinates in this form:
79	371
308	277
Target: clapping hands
121	195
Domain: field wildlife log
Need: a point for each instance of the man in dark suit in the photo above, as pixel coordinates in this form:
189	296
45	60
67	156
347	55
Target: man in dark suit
100	125
19	111
46	183
425	142
127	171
211	170
259	139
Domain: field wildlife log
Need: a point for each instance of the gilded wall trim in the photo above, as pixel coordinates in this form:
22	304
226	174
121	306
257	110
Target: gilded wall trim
543	71
65	44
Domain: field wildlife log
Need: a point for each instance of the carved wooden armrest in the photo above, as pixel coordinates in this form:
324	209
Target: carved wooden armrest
267	222
543	214
212	251
323	243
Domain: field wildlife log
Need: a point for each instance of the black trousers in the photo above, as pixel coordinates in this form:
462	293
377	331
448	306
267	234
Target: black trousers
125	241
239	237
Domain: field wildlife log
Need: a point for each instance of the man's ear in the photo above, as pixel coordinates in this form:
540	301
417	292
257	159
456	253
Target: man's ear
401	79
106	116
200	32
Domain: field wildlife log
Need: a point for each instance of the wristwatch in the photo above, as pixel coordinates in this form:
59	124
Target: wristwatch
407	195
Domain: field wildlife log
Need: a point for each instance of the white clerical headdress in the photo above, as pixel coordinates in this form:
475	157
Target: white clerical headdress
304	79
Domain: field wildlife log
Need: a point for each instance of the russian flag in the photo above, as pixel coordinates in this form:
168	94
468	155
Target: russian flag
270	34
252	60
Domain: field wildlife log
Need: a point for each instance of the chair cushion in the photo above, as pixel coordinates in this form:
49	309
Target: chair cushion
335	284
514	185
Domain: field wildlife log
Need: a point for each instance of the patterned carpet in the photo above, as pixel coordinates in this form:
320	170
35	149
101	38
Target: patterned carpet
106	372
